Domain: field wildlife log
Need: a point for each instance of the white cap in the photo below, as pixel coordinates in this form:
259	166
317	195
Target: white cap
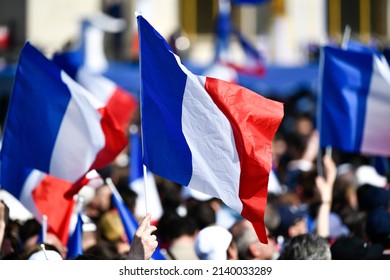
44	256
212	243
367	174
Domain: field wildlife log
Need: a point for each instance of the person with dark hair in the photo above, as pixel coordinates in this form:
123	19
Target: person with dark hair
306	247
203	214
355	248
182	232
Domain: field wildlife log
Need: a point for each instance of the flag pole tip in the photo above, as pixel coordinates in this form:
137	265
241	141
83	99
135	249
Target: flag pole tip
137	13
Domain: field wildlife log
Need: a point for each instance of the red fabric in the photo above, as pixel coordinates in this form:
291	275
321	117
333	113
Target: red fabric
255	120
122	107
50	201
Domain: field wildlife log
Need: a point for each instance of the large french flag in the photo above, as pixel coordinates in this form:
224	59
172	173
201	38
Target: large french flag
55	125
354	101
41	194
204	133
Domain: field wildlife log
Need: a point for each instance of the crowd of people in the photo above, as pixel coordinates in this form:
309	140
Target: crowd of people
321	205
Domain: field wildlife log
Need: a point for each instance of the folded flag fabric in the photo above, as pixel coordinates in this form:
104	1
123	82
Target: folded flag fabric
55	125
354	101
41	194
121	103
204	133
118	101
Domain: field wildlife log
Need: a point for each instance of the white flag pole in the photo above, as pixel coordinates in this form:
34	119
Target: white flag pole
145	171
346	36
44	229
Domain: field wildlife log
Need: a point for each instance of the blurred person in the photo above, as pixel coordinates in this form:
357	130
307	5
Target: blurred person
4	214
182	232
112	244
355	248
248	245
309	246
29	236
215	243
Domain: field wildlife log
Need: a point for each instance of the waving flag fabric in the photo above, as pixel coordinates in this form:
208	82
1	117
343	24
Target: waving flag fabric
118	101
355	102
55	125
41	194
205	133
75	242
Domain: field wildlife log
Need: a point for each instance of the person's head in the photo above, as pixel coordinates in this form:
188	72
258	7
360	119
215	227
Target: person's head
48	252
248	245
355	248
203	214
306	247
215	243
378	227
292	221
111	229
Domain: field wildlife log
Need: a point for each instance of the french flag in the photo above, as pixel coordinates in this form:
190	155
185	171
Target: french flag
204	133
55	125
41	194
354	101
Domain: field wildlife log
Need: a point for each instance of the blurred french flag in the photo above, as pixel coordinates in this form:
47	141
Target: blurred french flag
75	242
41	194
204	133
55	125
354	101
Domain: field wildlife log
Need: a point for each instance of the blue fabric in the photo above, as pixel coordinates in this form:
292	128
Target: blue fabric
346	78
161	115
75	242
37	107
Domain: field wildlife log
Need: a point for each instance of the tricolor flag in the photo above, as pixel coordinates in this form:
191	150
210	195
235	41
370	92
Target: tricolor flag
55	125
41	194
354	101
204	133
